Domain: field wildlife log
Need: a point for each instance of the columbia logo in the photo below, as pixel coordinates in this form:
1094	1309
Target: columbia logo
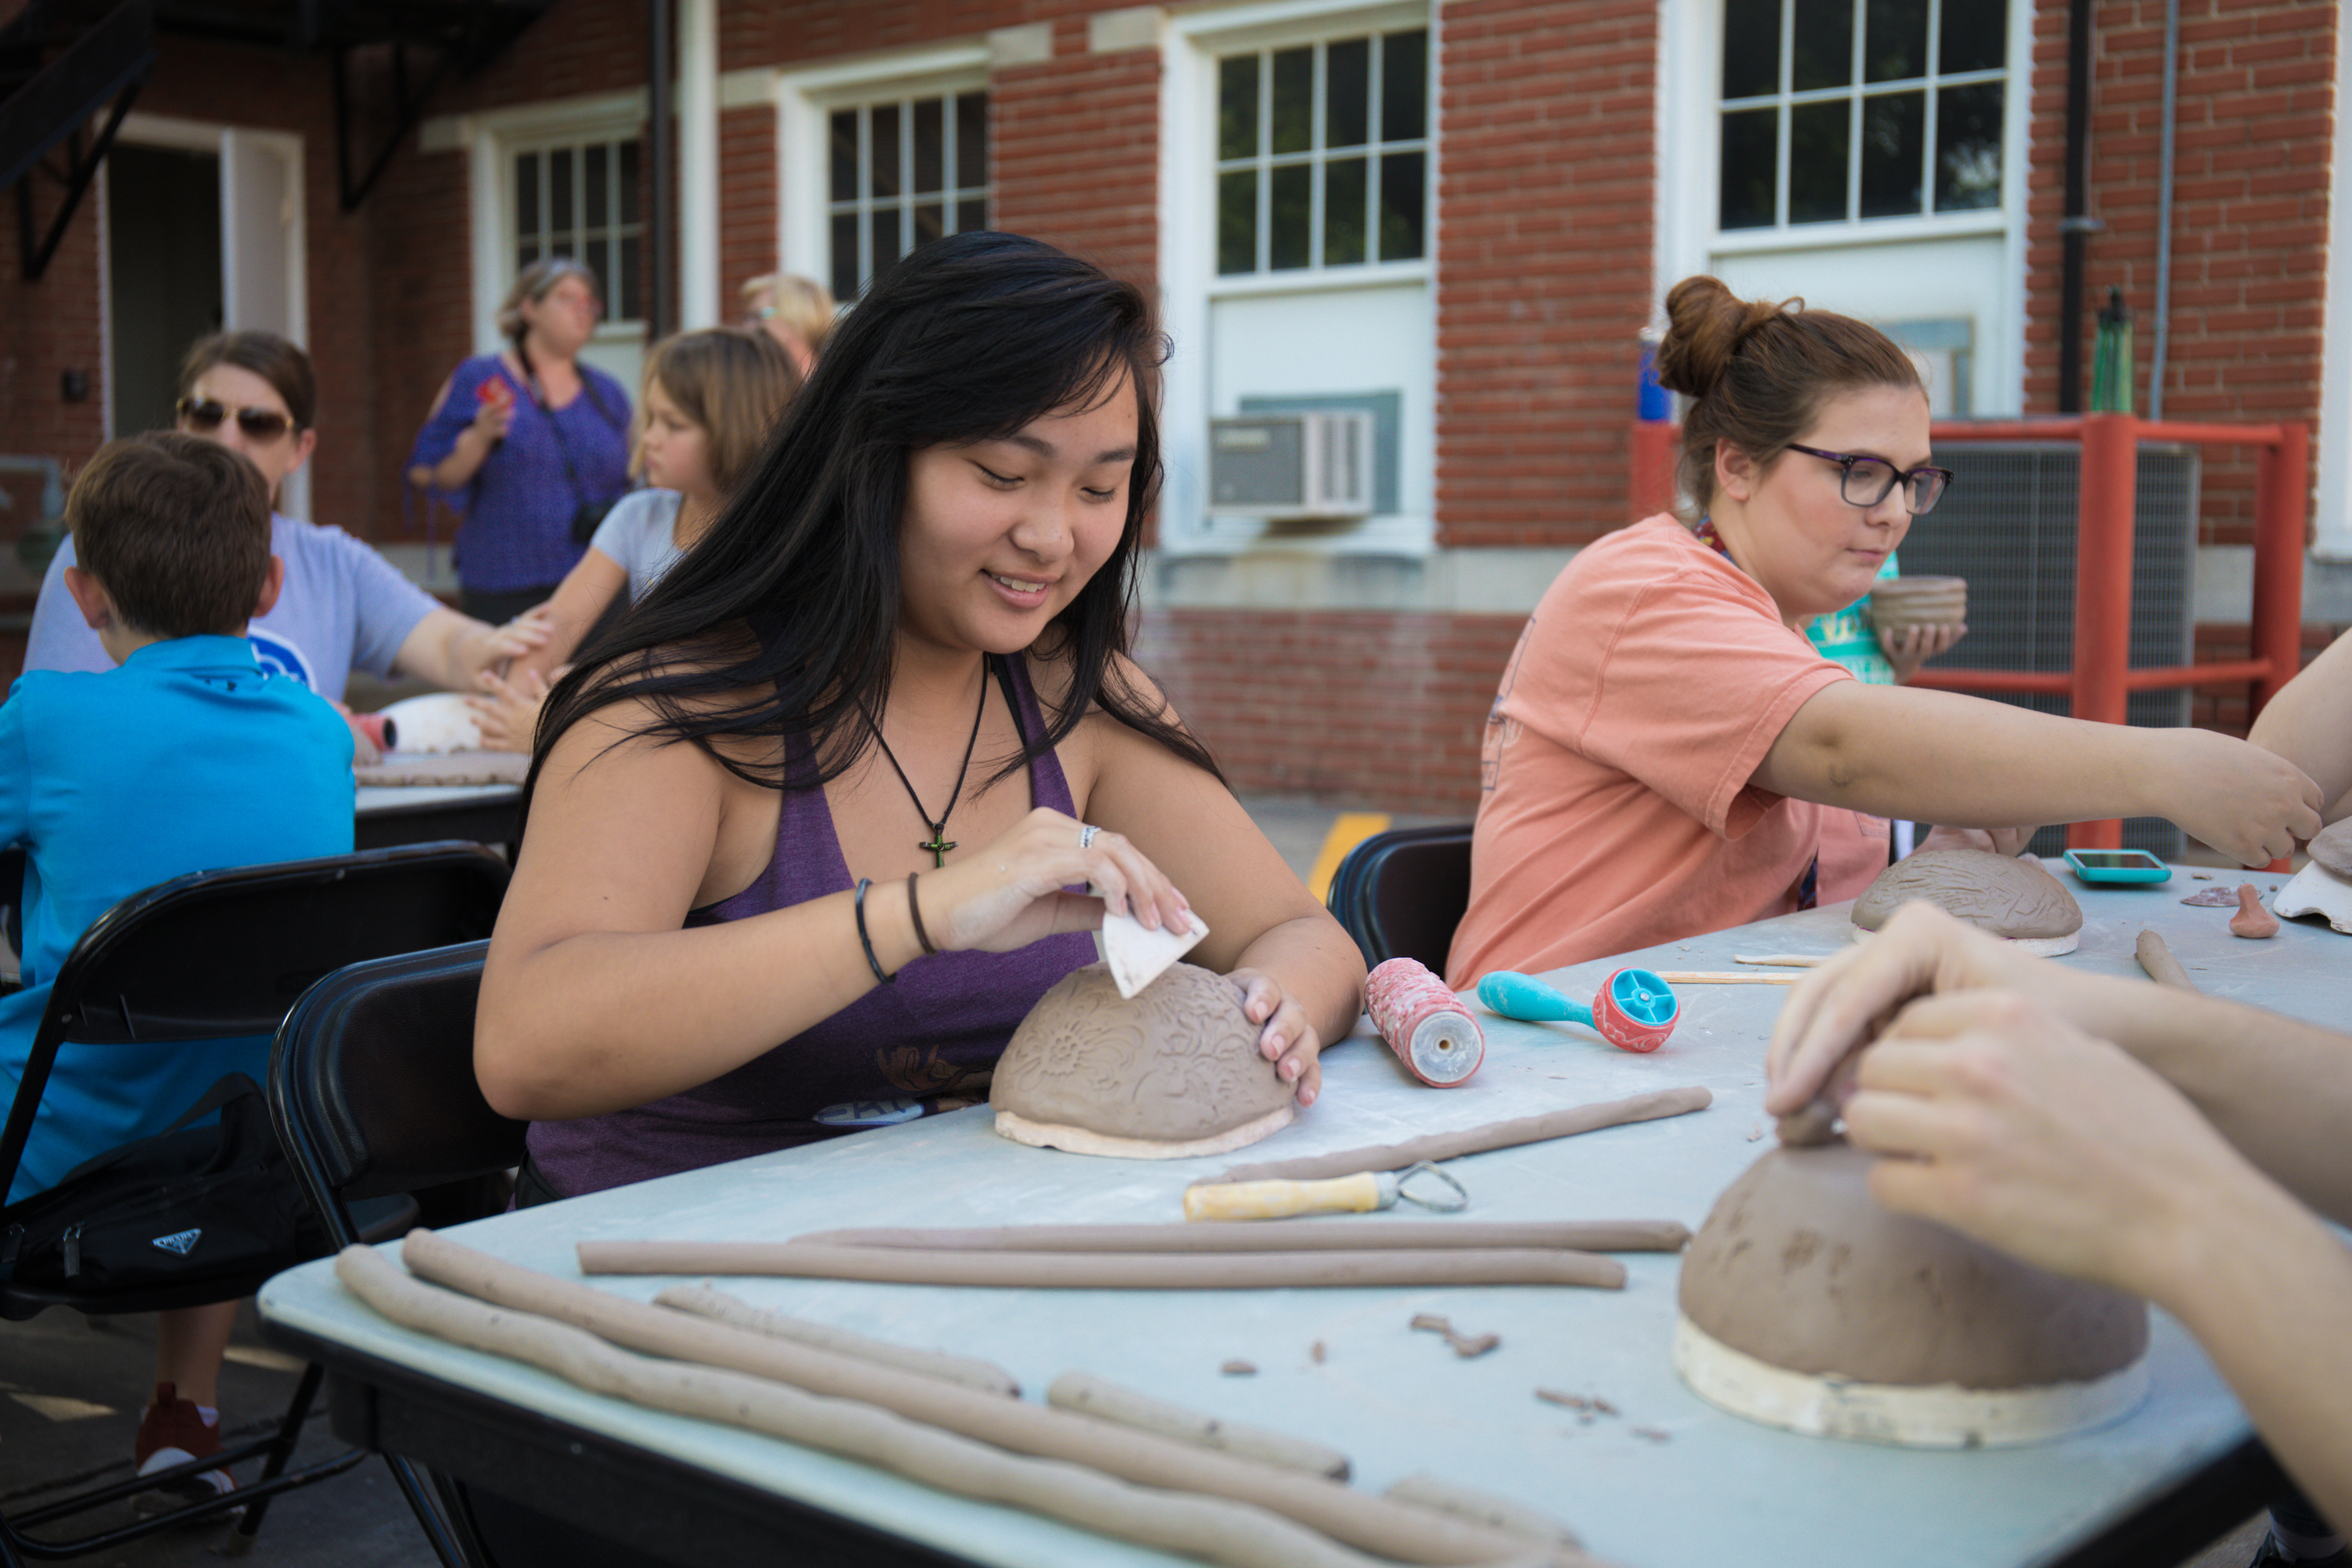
180	1241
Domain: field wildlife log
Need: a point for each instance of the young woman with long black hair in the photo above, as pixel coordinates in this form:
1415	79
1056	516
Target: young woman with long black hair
836	780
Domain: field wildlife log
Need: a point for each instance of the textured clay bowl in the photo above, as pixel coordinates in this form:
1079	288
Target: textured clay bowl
1902	603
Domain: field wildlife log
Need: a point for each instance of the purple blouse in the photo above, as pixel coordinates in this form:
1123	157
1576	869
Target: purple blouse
927	1044
519	504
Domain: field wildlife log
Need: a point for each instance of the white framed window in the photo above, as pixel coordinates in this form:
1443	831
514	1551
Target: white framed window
900	171
1850	110
584	198
1322	154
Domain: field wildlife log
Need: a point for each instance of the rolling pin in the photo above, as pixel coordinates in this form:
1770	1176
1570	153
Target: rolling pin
1280	1198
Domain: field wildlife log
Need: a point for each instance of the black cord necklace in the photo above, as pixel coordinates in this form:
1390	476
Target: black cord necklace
940	842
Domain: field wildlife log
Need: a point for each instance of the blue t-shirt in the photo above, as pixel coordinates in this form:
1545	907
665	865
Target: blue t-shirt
1851	638
343	608
190	757
519	504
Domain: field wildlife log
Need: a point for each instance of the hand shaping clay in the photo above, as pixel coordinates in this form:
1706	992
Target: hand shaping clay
1808	1304
2333	848
2011	898
1172	1073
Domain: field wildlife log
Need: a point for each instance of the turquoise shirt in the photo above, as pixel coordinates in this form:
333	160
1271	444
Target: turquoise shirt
1851	638
188	758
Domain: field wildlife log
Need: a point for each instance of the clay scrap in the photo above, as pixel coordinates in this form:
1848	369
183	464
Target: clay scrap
1807	1304
1172	1074
2252	920
1468	1346
2216	898
2010	897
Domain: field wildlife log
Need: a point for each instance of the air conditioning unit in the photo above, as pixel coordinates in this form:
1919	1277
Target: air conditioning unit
1316	464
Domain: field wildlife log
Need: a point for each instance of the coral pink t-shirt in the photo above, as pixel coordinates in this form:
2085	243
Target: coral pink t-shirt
1617	812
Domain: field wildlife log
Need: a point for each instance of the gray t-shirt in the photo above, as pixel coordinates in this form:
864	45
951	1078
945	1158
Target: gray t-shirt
636	534
344	607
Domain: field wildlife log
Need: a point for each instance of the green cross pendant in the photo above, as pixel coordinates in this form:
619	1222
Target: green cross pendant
939	846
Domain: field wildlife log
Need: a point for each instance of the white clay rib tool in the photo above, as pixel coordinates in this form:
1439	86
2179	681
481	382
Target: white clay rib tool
1359	1193
1138	955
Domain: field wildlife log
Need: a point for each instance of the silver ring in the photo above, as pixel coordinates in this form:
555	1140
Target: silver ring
1086	831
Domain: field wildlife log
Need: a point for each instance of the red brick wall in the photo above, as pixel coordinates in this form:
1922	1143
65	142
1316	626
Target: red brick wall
2249	214
422	316
1077	152
1353	707
747	201
1543	264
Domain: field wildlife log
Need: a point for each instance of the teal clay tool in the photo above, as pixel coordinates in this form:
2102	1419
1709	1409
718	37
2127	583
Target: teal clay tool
1634	1011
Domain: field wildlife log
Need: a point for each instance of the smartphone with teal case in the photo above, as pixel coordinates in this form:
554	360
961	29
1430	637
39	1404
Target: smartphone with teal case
2117	865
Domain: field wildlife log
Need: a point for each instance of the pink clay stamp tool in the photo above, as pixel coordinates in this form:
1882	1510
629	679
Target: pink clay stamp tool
1634	1011
1424	1023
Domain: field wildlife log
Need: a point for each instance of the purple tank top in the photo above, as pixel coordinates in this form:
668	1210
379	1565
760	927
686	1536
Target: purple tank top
927	1044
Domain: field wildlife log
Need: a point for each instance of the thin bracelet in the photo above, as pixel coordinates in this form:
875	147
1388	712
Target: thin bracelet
866	941
915	912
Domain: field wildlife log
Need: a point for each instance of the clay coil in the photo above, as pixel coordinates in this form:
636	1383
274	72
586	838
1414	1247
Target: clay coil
704	1301
1290	1235
1660	1102
1111	1271
2161	966
1215	1528
1502	1513
1091	1395
1388	1529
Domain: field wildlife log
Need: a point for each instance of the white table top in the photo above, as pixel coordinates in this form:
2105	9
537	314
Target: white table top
1719	1491
377	799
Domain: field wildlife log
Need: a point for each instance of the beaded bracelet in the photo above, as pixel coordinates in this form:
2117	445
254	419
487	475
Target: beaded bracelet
915	911
866	941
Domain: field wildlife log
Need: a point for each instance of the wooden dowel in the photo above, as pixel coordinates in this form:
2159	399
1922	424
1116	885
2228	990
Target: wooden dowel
1289	1236
1724	977
1109	1272
1785	960
1508	1134
1387	1529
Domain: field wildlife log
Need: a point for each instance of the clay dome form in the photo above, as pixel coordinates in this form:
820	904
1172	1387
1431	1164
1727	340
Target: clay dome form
1809	1305
2011	898
2333	848
1172	1073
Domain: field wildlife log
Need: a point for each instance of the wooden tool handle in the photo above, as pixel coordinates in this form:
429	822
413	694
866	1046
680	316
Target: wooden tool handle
1724	977
1359	1194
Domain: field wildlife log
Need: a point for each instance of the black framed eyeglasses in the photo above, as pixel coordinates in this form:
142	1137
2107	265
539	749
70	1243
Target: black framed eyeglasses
1868	480
204	416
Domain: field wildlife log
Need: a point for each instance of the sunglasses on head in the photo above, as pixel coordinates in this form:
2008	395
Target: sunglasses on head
204	416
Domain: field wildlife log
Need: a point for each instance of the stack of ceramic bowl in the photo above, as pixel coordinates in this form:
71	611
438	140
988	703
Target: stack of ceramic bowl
1898	604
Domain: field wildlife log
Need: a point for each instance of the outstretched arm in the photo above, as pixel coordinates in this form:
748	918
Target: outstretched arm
2310	724
450	649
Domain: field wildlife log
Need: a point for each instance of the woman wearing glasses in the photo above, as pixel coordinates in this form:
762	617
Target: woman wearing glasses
344	607
1667	753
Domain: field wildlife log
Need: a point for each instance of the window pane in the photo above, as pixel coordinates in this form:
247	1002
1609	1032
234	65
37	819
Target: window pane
1288	219
1751	144
1343	212
1401	185
1404	87
1294	100
1974	36
1751	48
1347	93
844	157
971	141
930	221
559	193
1822	52
527	193
1237	107
1967	147
625	305
1817	161
1237	221
931	145
845	255
886	246
1895	40
882	171
629	182
598	159
1894	131
971	216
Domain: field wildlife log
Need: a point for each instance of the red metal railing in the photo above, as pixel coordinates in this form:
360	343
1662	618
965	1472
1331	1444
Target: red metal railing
2101	677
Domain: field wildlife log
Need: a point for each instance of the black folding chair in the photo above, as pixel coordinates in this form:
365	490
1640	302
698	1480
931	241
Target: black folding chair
1401	893
209	956
373	1092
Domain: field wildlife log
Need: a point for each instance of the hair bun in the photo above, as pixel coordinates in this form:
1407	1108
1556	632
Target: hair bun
1705	324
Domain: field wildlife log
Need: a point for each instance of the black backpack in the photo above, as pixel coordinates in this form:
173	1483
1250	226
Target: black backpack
187	1204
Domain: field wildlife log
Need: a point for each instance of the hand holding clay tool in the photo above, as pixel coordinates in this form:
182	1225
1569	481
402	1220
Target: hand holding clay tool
1137	955
1424	1023
1359	1193
1634	1011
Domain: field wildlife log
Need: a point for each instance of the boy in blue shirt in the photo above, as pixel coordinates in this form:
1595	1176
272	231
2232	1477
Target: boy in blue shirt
188	757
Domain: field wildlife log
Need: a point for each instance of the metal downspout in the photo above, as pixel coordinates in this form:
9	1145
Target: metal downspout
2164	211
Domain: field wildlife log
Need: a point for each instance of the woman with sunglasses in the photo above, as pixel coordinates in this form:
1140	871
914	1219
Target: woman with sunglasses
343	608
1667	753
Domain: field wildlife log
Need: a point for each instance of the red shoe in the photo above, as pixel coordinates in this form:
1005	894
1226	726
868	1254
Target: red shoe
172	1433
